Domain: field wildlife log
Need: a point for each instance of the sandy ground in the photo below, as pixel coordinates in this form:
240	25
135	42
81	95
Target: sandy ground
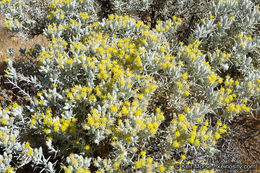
10	40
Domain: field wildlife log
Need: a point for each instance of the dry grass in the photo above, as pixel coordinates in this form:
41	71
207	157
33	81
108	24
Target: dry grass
9	40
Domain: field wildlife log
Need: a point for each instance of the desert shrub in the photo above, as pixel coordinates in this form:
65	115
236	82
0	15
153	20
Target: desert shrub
27	18
119	95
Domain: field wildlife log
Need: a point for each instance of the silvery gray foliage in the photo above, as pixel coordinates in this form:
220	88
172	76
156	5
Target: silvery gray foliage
97	78
131	8
30	16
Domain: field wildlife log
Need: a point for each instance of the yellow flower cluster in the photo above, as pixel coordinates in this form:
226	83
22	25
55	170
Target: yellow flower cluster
244	40
77	164
56	3
192	50
4	1
80	92
9	170
95	121
148	164
228	97
59	13
223	56
6	117
199	135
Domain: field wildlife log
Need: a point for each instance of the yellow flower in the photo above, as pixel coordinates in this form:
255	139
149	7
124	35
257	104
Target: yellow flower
140	96
153	131
191	140
150	126
164	65
193	57
153	87
138	112
183	157
229	91
160	116
192	133
181	117
77	97
217	135
30	152
111	17
177	134
116	165
179	84
9	170
103	120
184	126
176	144
219	123
212	78
33	122
220	80
39	94
69	95
41	102
80	170
162	168
143	153
92	97
227	100
135	103
87	147
158	110
12	138
197	142
147	90
184	76
47	131
49	138
203	128
187	93
27	145
4	121
124	110
194	127
69	61
150	160
204	137
138	164
186	109
222	130
143	126
198	120
236	82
